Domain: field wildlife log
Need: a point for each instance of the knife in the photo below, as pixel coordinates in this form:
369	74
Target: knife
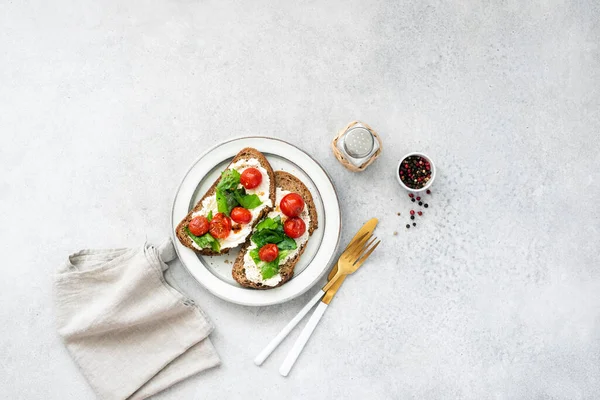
310	326
367	228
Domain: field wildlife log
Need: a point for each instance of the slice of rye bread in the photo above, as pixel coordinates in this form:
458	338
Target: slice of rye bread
290	183
245	153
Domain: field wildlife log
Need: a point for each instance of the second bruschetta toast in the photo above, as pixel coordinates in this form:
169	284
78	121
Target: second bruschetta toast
250	268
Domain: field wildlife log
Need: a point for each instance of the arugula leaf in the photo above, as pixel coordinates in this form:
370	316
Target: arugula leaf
287	244
205	241
225	201
248	201
209	216
230	179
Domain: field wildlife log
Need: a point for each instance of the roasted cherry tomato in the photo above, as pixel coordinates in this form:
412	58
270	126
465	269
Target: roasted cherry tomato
220	226
292	204
294	227
251	178
219	216
268	252
241	215
198	225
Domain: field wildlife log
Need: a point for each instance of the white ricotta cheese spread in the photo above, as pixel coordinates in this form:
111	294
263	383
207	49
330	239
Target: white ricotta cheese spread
252	270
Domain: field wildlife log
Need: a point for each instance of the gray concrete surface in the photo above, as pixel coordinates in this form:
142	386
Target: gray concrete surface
495	294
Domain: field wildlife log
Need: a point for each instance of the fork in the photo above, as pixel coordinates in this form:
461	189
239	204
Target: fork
351	260
348	263
366	229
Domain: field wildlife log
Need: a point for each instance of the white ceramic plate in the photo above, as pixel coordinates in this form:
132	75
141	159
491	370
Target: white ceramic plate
215	272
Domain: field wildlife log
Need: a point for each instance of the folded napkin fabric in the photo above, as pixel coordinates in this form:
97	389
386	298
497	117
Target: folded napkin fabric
131	333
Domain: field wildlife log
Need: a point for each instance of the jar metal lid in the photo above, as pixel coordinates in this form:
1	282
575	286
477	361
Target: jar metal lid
358	142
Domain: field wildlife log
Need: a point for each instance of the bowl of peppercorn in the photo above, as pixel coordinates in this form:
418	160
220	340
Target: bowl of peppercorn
415	172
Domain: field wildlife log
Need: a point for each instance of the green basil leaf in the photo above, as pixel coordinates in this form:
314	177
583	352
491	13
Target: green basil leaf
282	254
231	202
267	236
248	201
287	244
279	224
209	216
205	241
225	201
214	243
221	201
254	256
269	270
230	179
270	230
270	223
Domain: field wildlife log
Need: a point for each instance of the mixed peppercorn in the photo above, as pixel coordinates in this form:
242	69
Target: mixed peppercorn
415	172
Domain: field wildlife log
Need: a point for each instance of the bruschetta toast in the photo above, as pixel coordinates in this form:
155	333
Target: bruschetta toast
268	257
225	216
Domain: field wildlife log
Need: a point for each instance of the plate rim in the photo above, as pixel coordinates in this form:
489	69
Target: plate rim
266	303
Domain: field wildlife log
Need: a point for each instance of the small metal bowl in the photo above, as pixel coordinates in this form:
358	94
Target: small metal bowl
429	183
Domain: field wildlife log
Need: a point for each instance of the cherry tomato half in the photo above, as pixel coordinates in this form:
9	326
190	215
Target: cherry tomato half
241	215
292	204
251	178
268	252
294	227
220	226
198	226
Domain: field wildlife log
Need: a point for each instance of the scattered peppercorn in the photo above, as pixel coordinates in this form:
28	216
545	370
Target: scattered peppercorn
398	213
413	196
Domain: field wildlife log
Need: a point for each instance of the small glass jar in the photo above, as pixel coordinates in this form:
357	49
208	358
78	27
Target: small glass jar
356	146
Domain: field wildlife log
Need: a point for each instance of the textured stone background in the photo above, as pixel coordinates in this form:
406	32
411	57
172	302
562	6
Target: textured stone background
495	295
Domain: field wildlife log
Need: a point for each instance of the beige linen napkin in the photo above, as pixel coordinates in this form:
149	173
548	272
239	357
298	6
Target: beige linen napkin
131	333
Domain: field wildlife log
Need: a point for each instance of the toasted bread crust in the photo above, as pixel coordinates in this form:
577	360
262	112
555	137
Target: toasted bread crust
245	153
288	182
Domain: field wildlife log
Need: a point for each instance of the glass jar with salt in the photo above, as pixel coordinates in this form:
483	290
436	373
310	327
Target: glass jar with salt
356	146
